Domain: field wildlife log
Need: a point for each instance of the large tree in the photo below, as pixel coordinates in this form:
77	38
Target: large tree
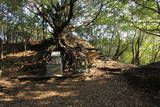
64	17
60	15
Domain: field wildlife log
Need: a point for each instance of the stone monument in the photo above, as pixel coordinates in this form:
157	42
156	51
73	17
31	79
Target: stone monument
54	67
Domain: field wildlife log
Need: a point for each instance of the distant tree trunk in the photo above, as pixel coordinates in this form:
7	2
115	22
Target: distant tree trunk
120	49
110	46
155	50
43	35
1	58
46	33
136	44
1	48
25	47
133	51
155	54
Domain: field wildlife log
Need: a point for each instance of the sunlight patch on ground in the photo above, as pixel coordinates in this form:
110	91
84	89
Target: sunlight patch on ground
6	84
43	95
22	54
6	99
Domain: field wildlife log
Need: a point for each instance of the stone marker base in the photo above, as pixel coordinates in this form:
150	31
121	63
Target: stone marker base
54	70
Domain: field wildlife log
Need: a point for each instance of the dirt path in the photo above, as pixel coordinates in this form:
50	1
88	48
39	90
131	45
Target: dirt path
102	90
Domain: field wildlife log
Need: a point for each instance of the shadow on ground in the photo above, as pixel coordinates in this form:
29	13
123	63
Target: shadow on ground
111	71
101	92
23	65
146	78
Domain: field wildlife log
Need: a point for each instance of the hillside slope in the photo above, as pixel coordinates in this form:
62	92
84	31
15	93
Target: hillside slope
111	84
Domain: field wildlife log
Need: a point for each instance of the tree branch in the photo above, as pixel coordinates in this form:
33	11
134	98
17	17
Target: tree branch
158	6
64	24
71	29
45	17
145	30
31	10
152	9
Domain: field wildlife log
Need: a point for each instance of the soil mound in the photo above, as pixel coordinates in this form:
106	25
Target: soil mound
37	54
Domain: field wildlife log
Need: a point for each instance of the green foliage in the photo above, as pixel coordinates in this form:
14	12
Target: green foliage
112	29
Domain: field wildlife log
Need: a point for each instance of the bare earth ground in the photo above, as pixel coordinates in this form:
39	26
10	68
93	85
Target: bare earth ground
103	89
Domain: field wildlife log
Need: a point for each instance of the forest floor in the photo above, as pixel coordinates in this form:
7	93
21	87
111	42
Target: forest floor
107	87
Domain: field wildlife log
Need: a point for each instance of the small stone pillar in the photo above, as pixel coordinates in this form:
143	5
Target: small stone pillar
54	66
